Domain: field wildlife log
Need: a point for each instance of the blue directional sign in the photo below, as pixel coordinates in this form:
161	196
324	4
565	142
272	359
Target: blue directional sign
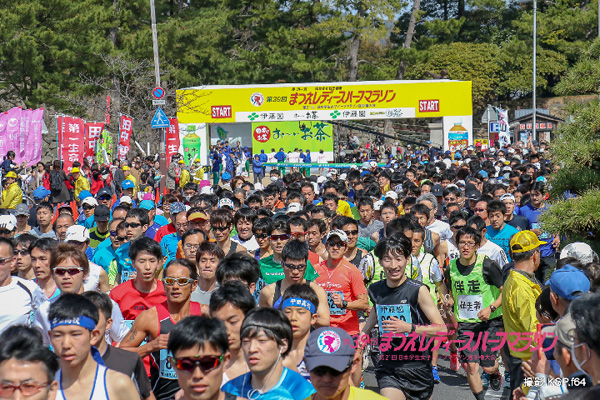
494	126
160	119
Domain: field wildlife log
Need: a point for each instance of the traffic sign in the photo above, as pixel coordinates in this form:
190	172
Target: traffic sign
158	93
160	119
159	102
494	126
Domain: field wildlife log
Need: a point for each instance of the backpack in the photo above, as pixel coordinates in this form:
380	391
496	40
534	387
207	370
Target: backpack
56	181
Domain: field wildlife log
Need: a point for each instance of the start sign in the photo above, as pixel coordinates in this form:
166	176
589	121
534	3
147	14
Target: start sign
262	134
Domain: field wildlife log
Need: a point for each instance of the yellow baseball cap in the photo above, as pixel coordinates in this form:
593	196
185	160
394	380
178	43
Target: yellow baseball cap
75	170
11	174
524	241
126	168
181	161
197	215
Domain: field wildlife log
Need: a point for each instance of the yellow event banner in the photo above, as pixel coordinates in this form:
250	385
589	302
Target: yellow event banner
306	135
324	101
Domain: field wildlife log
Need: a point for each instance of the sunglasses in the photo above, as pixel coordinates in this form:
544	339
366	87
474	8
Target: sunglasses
206	363
294	267
457	227
298	234
352	233
170	281
102	198
480	210
132	224
21	252
261	235
71	271
321	371
5	232
285	236
120	238
333	243
219	228
86	207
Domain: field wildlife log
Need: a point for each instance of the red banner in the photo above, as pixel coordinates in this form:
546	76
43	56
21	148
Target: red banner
93	131
172	138
125	129
71	134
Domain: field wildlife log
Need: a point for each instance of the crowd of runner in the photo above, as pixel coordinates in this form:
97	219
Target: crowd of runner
291	285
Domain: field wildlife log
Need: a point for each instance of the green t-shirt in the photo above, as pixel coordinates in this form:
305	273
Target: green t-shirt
272	271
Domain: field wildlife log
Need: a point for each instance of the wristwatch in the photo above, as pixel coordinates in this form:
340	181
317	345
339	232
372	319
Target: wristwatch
492	308
344	304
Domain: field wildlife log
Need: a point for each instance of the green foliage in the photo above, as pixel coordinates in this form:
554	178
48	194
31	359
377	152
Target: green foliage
577	216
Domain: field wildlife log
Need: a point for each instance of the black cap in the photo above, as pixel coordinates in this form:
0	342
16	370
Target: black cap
101	213
437	190
103	191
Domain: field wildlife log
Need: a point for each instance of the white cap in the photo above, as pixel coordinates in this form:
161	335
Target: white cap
225	202
77	233
581	251
354	167
377	205
343	176
321	179
206	190
391	195
373	164
125	199
339	233
8	222
293	208
511	150
333	171
90	201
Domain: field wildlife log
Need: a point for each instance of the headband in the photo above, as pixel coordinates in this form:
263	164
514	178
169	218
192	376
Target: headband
296	302
82	320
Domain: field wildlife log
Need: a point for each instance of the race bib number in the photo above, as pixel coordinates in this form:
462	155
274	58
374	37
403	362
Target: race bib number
386	312
166	370
260	284
127	275
469	306
333	309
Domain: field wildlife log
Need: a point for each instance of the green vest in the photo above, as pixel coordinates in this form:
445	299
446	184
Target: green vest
471	293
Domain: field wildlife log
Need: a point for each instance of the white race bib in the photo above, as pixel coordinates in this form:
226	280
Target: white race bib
469	306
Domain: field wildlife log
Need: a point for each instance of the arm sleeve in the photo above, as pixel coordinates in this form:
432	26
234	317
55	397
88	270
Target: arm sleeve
492	273
119	328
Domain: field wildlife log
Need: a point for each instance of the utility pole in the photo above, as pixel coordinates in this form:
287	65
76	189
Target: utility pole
534	136
162	145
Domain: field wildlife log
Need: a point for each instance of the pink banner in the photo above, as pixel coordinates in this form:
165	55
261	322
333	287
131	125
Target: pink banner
72	141
125	129
172	138
13	130
23	136
93	131
33	150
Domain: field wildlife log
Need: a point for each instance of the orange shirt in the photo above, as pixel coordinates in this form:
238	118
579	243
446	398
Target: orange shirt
345	278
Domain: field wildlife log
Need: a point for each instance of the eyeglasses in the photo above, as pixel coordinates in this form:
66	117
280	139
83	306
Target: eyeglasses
21	252
480	210
334	243
132	224
466	244
5	232
170	281
261	235
282	237
219	228
352	233
298	234
457	227
86	207
190	246
71	271
27	388
293	267
206	363
181	226
321	371
5	260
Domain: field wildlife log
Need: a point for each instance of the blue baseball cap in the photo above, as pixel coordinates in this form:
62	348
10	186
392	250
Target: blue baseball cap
127	184
226	176
147	204
569	282
483	174
40	193
84	194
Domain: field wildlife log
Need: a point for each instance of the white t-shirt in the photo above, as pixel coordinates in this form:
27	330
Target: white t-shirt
494	252
441	228
321	158
294	157
271	157
19	301
92	281
251	244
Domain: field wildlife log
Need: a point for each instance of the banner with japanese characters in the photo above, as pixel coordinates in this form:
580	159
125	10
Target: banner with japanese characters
172	139
306	135
13	132
324	101
33	149
93	131
70	137
125	129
